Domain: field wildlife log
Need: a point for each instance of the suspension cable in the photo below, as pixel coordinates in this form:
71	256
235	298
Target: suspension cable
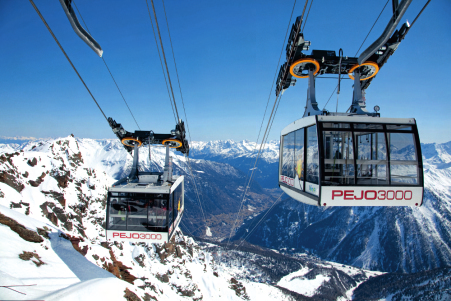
183	104
261	219
161	62
372	27
106	65
197	192
306	18
187	229
270	121
358	51
189	220
67	57
176	71
164	58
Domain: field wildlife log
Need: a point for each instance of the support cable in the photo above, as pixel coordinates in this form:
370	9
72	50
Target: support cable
103	59
161	62
67	57
164	58
183	103
359	49
261	219
189	220
270	120
306	18
427	3
372	27
191	234
197	192
265	139
176	71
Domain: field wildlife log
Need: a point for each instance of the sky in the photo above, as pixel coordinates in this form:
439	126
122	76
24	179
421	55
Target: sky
226	54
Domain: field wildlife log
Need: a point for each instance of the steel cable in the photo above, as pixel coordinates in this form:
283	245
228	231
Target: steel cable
161	62
164	58
197	192
359	50
106	65
270	121
176	71
67	57
261	219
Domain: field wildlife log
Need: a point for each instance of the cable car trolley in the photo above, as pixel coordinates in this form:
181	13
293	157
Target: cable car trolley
354	158
146	206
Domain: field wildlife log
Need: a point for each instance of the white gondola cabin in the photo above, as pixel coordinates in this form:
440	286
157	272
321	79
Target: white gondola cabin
146	206
352	161
352	158
148	210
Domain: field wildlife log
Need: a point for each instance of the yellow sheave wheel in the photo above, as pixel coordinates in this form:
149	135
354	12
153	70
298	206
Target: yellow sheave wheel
173	143
131	144
294	68
373	66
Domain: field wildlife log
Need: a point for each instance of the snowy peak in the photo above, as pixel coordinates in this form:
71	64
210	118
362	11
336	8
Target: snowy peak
230	148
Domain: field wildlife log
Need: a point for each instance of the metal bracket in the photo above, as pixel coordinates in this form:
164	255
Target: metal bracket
311	107
358	103
134	172
391	26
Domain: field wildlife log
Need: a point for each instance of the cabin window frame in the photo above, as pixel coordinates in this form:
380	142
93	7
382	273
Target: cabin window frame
303	181
386	130
147	196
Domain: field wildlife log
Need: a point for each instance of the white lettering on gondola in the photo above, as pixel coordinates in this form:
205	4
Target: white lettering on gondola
373	195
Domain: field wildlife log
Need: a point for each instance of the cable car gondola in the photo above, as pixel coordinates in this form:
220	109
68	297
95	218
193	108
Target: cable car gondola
146	206
354	158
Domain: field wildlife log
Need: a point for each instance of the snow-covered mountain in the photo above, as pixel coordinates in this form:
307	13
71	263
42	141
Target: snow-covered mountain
52	202
242	155
391	239
220	185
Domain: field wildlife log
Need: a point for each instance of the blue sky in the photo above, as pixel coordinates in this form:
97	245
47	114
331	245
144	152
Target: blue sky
226	54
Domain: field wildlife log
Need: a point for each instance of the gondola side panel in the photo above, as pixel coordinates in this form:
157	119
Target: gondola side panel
371	196
152	237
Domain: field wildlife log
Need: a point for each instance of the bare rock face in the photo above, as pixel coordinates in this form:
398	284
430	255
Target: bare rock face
9	173
57	196
239	288
32	162
23	232
131	296
30	255
38	181
118	269
9	177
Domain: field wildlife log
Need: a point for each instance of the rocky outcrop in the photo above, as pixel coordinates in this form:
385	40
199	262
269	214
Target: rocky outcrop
118	269
23	232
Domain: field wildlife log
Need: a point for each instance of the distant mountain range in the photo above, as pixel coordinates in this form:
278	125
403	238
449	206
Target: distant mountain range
391	239
62	183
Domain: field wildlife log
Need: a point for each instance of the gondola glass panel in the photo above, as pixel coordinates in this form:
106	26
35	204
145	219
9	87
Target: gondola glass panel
138	212
158	212
403	159
170	212
338	158
299	155
118	213
371	154
288	155
137	215
312	156
177	197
